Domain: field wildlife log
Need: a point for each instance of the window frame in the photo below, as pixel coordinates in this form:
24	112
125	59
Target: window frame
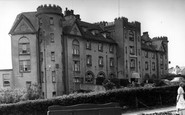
100	46
89	60
76	66
28	66
75	48
100	61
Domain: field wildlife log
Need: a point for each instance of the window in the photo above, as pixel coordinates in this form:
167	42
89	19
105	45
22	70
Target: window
153	55
53	76
88	45
100	47
132	50
89	60
126	50
6	80
132	63
41	56
40	21
139	52
24	66
89	77
146	65
153	66
131	36
42	77
54	93
76	48
52	38
76	66
100	61
126	64
111	48
52	56
111	62
146	54
24	46
51	22
28	84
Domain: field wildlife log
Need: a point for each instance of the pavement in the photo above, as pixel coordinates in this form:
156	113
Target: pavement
139	112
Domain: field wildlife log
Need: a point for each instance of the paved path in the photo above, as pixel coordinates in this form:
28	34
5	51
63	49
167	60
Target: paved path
163	109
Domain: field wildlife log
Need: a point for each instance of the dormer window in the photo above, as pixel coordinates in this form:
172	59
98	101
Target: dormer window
84	29
94	32
104	35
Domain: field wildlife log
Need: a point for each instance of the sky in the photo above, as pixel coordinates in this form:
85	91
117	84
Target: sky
158	17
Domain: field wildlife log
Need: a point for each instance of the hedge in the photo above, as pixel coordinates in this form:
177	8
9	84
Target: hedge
126	97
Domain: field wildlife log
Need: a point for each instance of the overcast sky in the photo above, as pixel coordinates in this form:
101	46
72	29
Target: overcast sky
158	17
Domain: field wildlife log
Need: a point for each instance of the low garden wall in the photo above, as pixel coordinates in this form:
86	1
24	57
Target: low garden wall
127	98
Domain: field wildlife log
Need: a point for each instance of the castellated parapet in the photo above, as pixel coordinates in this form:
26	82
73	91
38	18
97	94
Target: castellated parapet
49	9
164	38
124	20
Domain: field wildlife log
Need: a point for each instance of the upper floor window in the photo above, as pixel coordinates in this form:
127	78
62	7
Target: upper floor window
24	66
88	45
132	50
76	66
76	47
146	65
111	62
52	56
153	65
51	21
100	46
40	21
153	55
146	54
89	60
131	36
53	76
100	61
6	80
132	63
52	40
24	46
111	48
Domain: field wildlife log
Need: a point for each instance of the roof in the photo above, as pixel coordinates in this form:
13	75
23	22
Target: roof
29	16
87	34
147	47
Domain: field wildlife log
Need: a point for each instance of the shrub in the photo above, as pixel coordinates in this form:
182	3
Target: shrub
129	97
8	95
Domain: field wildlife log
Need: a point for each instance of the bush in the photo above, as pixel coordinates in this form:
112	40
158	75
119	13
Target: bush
129	97
8	95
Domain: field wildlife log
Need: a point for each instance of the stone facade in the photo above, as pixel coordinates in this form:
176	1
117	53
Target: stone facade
63	54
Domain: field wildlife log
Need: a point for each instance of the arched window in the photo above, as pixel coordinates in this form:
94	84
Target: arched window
100	78
76	47
89	77
24	46
112	75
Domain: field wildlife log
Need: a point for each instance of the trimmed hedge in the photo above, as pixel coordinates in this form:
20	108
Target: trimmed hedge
129	97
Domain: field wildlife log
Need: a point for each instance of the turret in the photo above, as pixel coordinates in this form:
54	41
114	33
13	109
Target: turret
49	9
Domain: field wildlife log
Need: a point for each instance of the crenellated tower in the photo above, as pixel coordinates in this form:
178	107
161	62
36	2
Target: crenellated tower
51	48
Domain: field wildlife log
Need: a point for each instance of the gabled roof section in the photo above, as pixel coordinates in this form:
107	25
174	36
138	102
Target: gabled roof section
24	23
75	30
85	29
158	45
